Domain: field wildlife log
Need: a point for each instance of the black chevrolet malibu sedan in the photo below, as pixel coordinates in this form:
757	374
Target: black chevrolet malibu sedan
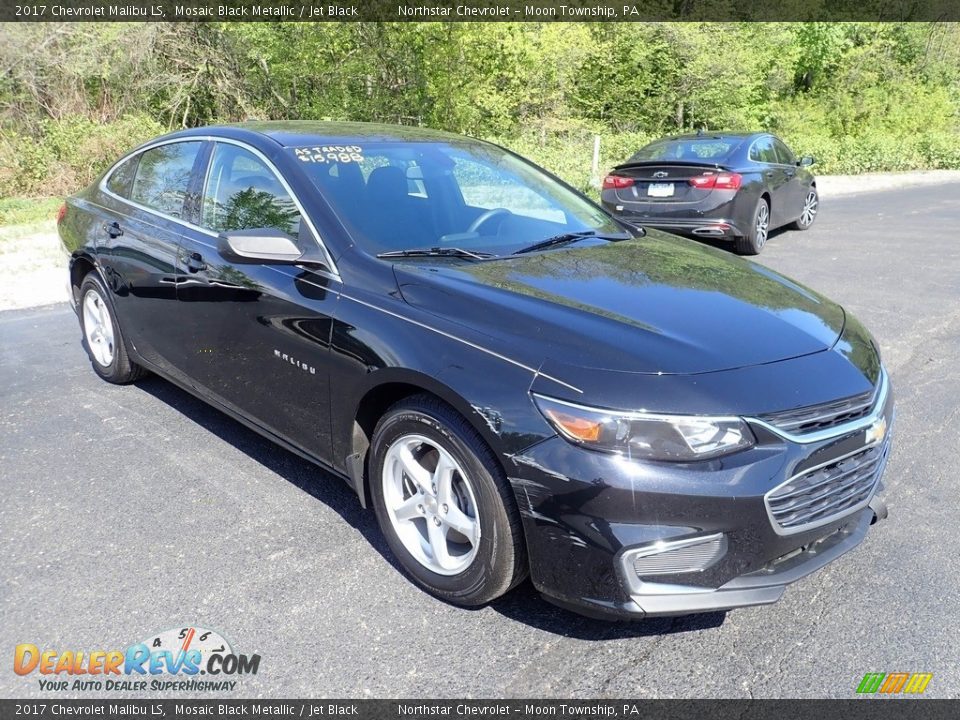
516	382
730	186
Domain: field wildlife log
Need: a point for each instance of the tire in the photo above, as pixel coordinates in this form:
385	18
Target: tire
102	337
469	569
811	206
753	243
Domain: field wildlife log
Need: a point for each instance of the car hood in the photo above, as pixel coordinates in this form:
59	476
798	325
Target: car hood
657	304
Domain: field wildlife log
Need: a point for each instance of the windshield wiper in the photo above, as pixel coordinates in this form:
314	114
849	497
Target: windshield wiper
436	252
569	237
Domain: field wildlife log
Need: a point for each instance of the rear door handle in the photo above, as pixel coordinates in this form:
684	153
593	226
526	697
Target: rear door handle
113	229
195	263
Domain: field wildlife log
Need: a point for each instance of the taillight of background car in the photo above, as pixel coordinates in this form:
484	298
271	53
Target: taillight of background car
717	181
616	182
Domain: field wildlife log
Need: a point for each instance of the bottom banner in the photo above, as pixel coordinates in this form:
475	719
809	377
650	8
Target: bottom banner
860	709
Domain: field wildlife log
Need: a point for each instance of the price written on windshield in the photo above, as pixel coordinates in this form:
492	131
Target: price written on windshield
330	153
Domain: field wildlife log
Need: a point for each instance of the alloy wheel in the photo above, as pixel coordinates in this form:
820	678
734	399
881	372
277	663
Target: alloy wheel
810	206
763	224
98	328
431	504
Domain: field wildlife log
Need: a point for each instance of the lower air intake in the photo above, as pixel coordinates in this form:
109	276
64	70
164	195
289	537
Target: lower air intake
679	556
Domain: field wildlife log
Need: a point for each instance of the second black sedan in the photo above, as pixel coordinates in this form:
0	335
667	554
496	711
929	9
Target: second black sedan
733	186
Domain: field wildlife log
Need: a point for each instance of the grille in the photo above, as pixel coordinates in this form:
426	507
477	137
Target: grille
821	417
817	496
681	557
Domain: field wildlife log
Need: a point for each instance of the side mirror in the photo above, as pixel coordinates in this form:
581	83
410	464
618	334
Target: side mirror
806	161
261	246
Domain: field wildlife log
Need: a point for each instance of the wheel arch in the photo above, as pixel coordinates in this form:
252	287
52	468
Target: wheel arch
388	387
81	265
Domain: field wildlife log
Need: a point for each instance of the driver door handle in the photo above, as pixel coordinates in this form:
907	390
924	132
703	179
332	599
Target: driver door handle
113	229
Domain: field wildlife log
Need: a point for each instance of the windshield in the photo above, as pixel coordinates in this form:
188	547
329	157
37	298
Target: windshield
696	149
395	196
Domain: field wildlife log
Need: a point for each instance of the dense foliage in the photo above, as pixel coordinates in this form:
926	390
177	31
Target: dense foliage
858	96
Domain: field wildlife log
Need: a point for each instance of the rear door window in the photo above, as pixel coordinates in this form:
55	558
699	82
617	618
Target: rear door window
243	193
763	151
121	179
163	176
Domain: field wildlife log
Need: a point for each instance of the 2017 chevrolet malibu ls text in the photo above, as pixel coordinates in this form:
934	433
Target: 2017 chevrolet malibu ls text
515	381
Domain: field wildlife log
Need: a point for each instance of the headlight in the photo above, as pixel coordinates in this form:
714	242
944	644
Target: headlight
678	438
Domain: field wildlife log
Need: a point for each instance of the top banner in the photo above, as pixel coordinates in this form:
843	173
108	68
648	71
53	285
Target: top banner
477	10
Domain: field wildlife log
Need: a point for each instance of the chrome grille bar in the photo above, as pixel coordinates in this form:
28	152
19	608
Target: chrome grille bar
830	479
827	492
826	415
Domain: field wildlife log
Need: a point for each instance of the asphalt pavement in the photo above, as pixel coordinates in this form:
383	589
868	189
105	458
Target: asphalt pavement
127	511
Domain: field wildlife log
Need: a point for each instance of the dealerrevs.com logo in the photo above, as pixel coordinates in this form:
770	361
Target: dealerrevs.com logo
170	661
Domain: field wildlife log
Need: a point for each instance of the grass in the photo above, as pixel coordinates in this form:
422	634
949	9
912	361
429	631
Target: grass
28	211
22	218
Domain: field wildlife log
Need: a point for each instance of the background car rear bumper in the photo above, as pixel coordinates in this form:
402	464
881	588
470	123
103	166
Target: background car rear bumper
699	227
721	215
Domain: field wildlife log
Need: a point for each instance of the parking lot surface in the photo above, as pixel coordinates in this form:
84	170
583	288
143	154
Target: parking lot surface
127	511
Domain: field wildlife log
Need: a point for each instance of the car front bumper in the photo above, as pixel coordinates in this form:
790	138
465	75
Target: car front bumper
588	516
761	587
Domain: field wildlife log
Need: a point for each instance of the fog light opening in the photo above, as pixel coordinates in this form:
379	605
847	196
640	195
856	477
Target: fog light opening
673	557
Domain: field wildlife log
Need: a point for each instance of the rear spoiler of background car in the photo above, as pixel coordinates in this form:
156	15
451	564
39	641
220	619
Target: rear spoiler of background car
670	163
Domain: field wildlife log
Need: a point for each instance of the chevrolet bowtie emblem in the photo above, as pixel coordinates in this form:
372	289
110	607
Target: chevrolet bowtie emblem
877	431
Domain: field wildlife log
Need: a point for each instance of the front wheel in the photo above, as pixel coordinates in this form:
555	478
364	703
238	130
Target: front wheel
444	504
753	242
101	334
811	204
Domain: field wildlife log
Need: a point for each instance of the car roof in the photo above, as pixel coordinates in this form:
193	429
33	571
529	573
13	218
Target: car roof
310	132
709	135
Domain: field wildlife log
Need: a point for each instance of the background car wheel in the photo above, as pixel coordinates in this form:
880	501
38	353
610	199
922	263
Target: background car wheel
444	504
753	243
101	334
811	204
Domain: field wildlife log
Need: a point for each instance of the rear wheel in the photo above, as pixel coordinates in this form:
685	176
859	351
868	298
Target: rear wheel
754	241
101	334
444	504
811	204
